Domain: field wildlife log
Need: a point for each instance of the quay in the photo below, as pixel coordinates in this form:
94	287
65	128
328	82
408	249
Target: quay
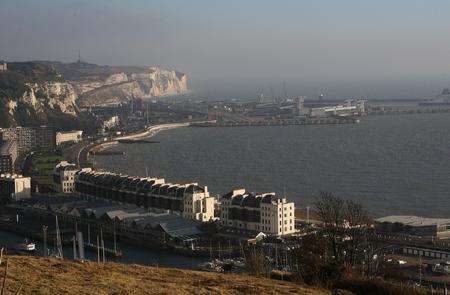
279	122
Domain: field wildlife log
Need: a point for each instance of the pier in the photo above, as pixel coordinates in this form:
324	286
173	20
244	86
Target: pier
279	122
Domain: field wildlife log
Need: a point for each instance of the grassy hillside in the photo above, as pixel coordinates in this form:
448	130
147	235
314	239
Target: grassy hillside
52	276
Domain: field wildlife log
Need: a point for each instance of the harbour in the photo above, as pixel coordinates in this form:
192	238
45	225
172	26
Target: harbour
311	159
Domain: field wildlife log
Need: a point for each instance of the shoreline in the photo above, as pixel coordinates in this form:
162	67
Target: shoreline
147	133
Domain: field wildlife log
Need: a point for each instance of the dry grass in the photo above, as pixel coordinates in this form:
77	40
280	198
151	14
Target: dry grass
52	276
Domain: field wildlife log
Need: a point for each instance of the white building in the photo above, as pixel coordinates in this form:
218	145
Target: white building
69	136
351	107
265	213
64	177
191	200
15	186
198	204
111	122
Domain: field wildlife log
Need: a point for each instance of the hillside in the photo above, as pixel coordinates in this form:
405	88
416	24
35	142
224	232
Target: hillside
52	276
47	92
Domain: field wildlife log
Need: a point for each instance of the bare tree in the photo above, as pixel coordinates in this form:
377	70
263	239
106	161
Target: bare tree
331	211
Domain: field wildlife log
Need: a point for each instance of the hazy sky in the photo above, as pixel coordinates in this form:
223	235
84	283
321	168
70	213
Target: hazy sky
383	48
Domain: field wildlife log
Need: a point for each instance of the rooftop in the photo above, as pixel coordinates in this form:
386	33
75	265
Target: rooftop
413	220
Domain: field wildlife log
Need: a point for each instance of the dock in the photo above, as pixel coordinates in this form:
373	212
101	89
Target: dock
280	122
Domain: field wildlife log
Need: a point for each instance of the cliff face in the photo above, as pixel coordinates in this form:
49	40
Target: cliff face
145	84
44	92
58	96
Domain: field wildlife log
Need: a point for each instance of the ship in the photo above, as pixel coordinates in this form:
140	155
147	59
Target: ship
442	99
26	247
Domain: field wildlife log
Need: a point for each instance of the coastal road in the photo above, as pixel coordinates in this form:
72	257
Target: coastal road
77	153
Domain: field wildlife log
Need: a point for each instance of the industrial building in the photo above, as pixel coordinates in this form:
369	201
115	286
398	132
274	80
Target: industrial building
8	156
73	136
64	177
15	187
265	213
191	200
433	228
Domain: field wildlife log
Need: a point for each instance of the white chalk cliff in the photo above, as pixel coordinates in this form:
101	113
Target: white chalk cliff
151	83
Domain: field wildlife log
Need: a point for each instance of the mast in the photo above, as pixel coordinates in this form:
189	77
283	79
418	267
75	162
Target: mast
102	244
44	229
89	234
103	250
98	250
74	248
115	240
58	239
80	245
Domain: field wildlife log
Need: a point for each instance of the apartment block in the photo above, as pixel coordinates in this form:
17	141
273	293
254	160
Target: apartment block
264	212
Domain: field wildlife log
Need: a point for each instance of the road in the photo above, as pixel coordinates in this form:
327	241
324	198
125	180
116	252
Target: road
77	153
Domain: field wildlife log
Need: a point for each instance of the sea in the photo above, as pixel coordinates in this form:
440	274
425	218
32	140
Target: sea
391	164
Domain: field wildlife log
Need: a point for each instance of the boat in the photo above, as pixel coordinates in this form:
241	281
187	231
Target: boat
442	99
26	247
114	253
225	265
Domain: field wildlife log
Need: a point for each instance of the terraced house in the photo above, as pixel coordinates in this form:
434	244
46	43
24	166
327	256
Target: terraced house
250	212
191	200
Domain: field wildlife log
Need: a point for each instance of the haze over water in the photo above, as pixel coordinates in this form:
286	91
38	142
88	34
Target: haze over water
391	164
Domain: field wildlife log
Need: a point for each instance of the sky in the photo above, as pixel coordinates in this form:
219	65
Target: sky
233	49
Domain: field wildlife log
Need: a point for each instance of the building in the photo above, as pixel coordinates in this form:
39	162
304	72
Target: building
3	66
64	177
191	201
30	138
15	187
432	228
23	136
265	213
350	108
8	156
111	122
69	136
44	138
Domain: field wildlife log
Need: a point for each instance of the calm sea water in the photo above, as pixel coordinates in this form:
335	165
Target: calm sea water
397	164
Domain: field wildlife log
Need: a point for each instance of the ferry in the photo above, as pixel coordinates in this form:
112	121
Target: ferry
442	99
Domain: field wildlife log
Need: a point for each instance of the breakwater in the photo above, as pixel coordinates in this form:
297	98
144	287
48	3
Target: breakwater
279	122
